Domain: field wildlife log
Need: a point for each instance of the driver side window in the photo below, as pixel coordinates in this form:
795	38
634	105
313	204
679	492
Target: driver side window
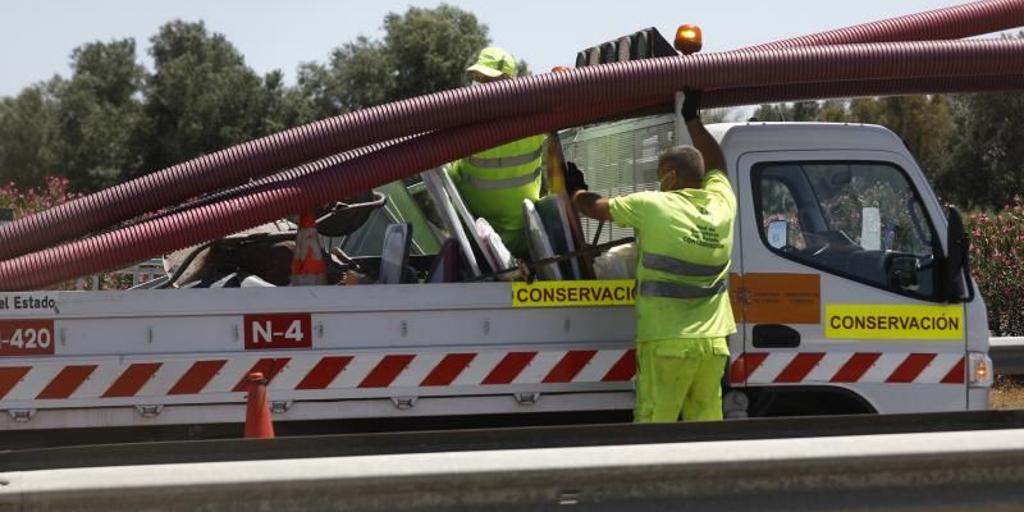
861	220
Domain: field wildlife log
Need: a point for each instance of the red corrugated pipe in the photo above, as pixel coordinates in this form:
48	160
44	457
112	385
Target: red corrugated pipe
947	23
862	88
165	234
238	164
290	174
158	236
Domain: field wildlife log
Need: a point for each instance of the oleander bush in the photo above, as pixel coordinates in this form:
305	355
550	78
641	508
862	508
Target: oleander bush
24	202
997	262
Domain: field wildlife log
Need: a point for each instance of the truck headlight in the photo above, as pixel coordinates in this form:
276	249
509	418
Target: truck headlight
979	370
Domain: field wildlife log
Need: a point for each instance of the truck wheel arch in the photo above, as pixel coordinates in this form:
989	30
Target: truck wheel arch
805	401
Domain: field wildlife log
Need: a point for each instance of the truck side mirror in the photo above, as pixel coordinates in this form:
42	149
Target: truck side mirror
902	270
957	259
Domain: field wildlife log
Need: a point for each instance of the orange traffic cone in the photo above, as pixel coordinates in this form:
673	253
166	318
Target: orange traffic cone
308	268
258	424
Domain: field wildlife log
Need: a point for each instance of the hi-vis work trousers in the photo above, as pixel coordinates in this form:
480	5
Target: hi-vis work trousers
679	376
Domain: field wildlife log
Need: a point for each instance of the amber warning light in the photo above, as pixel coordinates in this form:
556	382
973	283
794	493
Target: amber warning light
688	39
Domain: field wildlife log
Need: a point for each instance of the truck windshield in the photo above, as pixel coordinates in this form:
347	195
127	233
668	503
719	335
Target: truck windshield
858	219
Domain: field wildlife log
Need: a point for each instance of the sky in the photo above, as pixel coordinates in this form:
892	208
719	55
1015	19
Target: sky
37	36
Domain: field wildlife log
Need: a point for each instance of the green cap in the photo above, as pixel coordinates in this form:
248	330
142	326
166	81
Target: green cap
494	62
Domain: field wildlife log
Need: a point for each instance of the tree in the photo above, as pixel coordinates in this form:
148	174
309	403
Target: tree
202	97
987	159
799	111
865	110
431	48
805	111
358	74
422	51
286	106
28	132
925	123
771	112
833	111
99	112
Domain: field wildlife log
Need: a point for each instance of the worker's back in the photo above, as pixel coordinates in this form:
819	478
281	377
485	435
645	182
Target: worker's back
685	239
495	182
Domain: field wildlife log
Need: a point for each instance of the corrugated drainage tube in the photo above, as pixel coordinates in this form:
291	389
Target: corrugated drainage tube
954	22
290	174
158	236
510	98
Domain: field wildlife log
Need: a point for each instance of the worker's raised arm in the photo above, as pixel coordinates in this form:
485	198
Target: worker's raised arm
714	158
587	203
592	205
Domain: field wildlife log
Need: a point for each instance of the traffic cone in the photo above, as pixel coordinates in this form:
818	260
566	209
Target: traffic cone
258	424
308	268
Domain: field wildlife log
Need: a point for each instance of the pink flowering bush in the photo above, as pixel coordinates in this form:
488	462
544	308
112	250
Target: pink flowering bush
27	202
997	262
35	199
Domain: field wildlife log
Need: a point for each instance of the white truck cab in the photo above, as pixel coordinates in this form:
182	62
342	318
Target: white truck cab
848	283
842	271
840	283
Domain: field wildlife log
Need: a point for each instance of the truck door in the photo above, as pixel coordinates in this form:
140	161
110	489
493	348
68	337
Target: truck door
838	288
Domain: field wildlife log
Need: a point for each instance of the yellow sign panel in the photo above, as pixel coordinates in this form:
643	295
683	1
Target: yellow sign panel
894	322
561	294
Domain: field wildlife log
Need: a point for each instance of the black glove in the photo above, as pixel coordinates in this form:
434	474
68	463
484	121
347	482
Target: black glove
691	105
574	179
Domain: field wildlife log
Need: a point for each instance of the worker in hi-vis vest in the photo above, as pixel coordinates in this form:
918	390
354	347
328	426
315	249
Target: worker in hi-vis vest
683	314
494	182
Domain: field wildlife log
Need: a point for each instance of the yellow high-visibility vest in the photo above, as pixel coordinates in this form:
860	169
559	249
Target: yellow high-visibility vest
494	183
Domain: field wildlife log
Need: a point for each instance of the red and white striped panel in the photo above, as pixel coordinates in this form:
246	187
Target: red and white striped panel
53	381
113	378
848	368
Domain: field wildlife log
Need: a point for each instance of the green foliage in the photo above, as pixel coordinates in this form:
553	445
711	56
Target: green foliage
987	161
98	114
28	135
112	119
359	74
792	112
431	48
772	112
925	123
423	51
202	97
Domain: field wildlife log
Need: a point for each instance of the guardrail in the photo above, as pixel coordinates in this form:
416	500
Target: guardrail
75	451
1007	355
963	470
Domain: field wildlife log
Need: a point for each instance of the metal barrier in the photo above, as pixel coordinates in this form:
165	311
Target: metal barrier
76	449
1007	355
965	470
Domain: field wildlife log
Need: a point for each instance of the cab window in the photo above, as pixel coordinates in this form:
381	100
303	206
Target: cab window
861	220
